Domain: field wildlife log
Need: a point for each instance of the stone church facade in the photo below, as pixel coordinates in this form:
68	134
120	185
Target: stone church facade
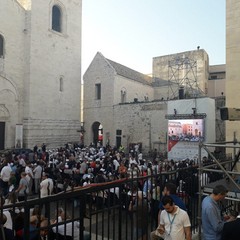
40	72
106	85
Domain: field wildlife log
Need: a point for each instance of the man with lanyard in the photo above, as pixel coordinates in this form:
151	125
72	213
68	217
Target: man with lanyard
169	190
174	222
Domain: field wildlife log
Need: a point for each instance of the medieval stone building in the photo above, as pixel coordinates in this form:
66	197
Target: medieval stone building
125	107
40	72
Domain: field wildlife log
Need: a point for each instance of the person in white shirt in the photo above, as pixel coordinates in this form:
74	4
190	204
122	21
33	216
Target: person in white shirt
21	161
133	171
132	160
174	222
140	156
5	176
29	176
116	164
46	186
8	224
136	148
69	229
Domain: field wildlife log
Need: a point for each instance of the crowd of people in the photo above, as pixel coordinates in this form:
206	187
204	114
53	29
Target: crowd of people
43	172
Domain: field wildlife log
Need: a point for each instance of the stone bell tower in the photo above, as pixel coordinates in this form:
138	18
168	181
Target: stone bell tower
40	71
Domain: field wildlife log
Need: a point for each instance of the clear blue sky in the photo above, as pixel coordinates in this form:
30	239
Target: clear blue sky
132	32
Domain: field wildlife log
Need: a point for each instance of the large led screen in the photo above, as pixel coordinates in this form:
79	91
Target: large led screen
188	130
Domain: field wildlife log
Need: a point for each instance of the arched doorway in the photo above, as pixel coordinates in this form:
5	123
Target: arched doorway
2	135
97	133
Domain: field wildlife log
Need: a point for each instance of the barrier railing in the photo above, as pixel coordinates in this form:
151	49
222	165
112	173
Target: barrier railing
110	210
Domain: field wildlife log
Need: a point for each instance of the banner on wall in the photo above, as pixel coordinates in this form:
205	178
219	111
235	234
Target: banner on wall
19	136
171	144
178	150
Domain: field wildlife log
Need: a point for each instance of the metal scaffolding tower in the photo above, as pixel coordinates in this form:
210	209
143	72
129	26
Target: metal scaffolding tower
182	78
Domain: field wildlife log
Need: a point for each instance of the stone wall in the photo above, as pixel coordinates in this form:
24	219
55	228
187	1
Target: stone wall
133	90
232	65
143	123
11	68
182	66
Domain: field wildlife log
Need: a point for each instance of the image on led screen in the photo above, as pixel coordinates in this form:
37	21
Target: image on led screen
188	130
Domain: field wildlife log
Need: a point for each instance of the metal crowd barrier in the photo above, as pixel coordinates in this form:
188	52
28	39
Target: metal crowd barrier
103	211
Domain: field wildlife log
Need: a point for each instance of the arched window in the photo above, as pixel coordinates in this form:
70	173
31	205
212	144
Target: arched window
56	18
98	91
123	95
1	46
61	84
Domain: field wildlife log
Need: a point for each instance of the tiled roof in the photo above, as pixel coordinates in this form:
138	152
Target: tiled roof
130	73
